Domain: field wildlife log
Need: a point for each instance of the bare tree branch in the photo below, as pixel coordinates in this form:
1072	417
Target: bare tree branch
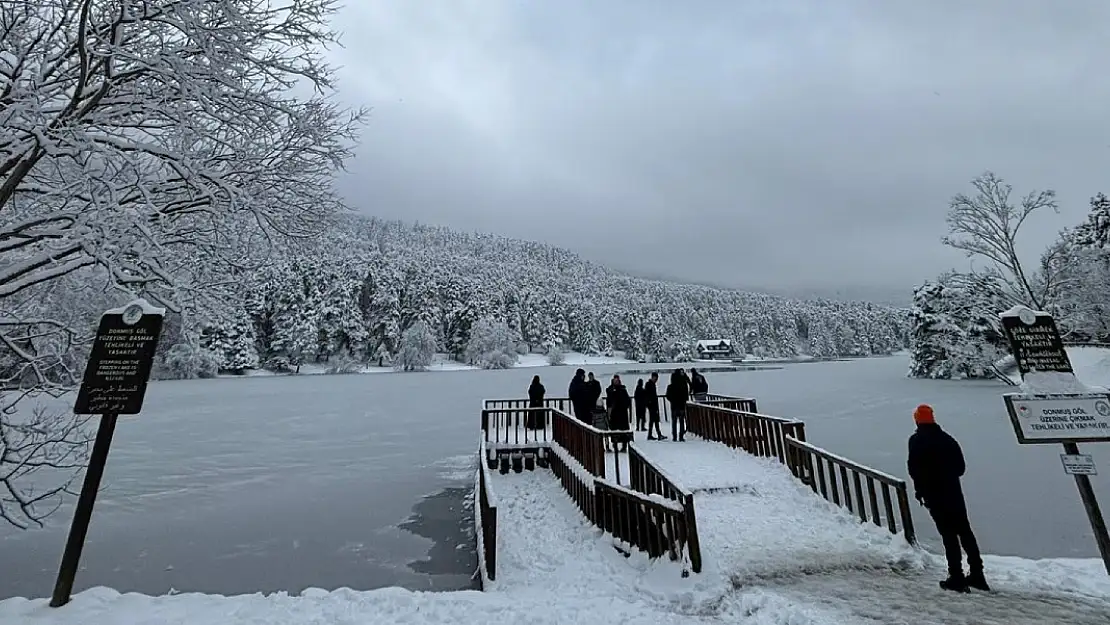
151	148
987	224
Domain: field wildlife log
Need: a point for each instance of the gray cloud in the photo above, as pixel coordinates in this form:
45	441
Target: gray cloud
750	143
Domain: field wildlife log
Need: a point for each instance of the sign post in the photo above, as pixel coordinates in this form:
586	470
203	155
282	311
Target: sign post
115	381
1055	407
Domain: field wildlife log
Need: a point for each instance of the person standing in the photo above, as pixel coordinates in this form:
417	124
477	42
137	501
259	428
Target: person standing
593	390
678	393
535	418
936	463
641	406
699	387
651	398
616	396
578	393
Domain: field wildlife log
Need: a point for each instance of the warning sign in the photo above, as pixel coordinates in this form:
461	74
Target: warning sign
1060	419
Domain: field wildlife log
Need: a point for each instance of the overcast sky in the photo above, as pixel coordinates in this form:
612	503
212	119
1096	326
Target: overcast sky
764	144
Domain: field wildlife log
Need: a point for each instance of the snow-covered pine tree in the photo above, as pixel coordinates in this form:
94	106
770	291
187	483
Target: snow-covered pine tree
492	345
417	349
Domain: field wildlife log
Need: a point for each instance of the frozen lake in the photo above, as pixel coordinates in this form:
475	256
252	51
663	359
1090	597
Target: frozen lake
282	483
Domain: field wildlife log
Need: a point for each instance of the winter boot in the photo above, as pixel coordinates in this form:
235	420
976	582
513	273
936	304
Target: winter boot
955	583
976	580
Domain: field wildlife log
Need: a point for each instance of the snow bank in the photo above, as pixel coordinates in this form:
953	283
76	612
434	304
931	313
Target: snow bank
1053	382
1091	366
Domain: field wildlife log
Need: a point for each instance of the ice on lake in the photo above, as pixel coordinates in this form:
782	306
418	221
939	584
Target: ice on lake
259	484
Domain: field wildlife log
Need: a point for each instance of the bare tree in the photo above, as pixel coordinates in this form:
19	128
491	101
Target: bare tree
987	225
156	148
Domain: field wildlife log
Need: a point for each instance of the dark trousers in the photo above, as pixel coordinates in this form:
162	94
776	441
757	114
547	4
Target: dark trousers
678	421
955	532
653	423
641	419
584	412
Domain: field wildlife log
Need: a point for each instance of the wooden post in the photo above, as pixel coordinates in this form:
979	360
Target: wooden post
71	557
1094	514
693	544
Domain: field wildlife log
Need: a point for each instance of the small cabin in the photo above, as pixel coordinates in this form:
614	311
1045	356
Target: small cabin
711	349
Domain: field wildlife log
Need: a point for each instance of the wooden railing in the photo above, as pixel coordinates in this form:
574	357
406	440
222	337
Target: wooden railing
521	426
644	477
743	404
487	505
582	441
757	434
588	445
819	469
651	525
655	526
561	403
564	404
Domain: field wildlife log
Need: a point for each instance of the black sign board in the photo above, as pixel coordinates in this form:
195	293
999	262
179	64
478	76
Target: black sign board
1036	343
119	365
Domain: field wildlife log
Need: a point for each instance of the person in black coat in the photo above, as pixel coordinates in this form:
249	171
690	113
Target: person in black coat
620	404
593	390
651	398
578	395
936	464
641	406
678	393
699	387
535	420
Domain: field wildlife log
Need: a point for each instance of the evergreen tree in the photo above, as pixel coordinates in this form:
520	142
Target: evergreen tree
417	348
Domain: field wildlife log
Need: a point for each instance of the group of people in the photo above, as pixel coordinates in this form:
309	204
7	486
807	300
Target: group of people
585	394
935	462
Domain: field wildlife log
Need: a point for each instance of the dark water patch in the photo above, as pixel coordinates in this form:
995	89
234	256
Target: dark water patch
447	519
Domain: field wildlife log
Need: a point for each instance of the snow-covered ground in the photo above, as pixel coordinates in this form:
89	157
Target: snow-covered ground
1091	366
554	567
443	363
264	484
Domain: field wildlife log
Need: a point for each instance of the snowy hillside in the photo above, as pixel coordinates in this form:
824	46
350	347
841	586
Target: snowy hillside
368	280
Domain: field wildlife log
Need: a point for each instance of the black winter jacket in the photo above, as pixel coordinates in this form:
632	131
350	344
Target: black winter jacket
935	464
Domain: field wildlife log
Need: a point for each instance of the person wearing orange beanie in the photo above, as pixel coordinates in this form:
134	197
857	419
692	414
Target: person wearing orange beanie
936	464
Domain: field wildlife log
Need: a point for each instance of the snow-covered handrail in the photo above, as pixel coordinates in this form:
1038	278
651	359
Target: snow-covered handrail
757	434
809	463
487	513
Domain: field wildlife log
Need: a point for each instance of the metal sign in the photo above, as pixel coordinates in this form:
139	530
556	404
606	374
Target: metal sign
1079	464
1035	342
1059	418
119	366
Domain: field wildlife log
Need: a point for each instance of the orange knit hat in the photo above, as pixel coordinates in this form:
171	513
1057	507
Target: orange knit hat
923	414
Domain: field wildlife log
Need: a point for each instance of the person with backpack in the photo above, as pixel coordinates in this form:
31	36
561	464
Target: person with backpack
678	393
936	463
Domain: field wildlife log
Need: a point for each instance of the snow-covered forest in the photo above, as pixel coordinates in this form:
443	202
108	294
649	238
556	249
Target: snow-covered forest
956	331
186	152
353	292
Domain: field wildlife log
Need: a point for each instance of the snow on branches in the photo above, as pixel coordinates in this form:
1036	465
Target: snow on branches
492	345
418	348
955	329
154	148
